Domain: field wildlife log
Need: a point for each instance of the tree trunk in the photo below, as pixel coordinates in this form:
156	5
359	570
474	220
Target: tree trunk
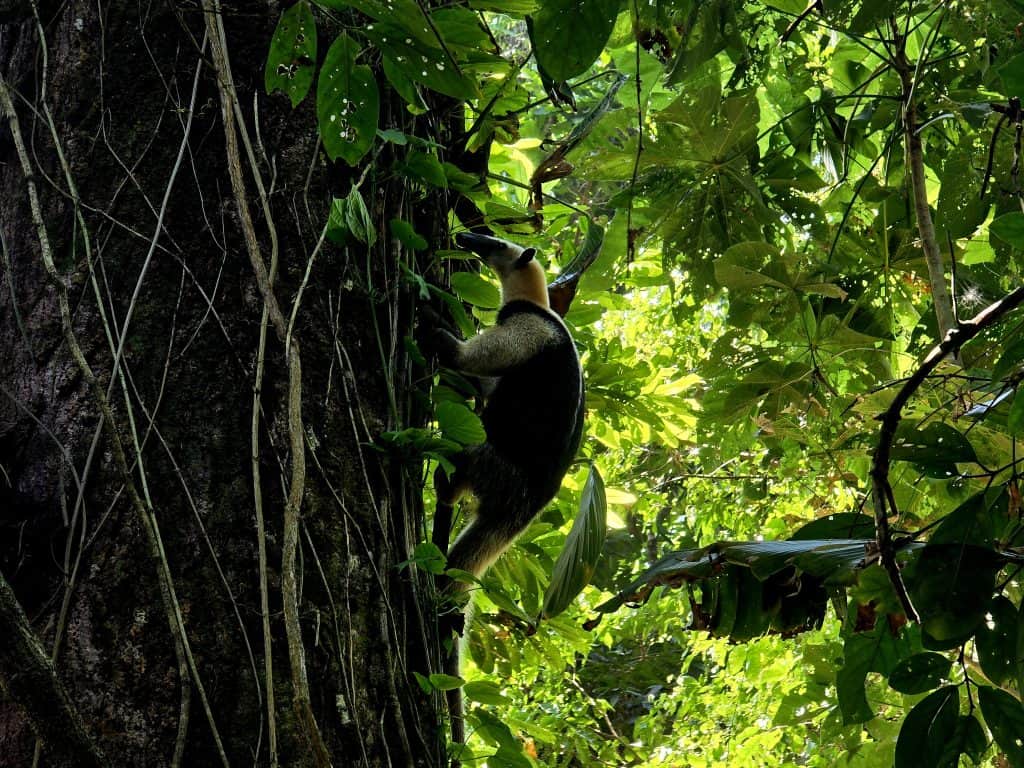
143	580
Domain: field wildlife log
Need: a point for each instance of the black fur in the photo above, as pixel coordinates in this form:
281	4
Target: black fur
534	421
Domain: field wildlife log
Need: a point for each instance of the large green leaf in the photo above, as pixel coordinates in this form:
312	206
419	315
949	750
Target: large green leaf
970	523
1009	228
459	423
875	650
996	642
347	103
406	15
821	557
568	35
936	449
474	289
921	672
292	58
578	558
1005	718
420	62
960	209
951	587
925	735
1012	75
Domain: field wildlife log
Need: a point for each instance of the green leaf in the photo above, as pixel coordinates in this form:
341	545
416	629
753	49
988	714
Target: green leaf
874	587
423	682
443	682
405	87
474	289
970	523
291	61
1015	418
337	229
456	309
745	266
970	738
394	136
1005	718
429	557
951	587
459	423
996	642
820	557
875	650
1010	226
421	165
1011	357
484	692
492	730
706	34
1012	75
926	731
405	14
510	7
421	62
936	449
921	672
406	235
568	35
578	559
358	218
347	103
960	210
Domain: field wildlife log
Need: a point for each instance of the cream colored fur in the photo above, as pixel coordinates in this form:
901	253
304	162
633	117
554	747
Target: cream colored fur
504	346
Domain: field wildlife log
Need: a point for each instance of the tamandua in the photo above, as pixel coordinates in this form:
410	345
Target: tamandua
533	414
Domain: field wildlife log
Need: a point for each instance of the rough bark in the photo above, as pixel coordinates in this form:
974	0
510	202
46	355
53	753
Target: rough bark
163	285
27	679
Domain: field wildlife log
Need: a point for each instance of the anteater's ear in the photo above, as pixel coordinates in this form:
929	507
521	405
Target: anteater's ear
525	257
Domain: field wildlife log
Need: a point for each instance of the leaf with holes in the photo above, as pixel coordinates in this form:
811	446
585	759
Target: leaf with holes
921	672
996	641
936	449
421	62
292	58
347	103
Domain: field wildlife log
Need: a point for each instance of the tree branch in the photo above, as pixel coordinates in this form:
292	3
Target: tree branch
881	459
